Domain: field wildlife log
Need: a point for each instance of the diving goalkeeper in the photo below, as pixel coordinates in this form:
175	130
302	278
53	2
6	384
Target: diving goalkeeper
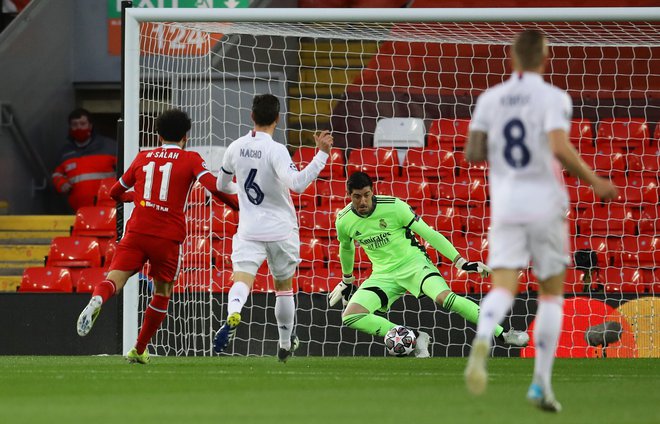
384	227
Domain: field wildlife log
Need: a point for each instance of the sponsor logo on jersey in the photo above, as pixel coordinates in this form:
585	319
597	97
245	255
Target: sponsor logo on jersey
382	223
375	242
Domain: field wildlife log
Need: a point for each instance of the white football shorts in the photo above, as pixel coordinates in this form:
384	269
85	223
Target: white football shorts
283	255
545	243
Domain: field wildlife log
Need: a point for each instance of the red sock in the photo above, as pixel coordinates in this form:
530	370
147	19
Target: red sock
153	317
106	289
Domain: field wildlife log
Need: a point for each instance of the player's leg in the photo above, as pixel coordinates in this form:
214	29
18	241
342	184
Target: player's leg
126	261
283	258
377	292
165	259
549	245
508	254
246	257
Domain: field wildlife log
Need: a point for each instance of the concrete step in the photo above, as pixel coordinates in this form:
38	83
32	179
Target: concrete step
10	283
302	137
314	90
338	47
27	253
327	76
36	222
30	237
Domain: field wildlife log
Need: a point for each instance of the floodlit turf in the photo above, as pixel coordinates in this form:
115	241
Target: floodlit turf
317	390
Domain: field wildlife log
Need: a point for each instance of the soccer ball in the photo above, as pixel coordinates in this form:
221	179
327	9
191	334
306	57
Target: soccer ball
400	341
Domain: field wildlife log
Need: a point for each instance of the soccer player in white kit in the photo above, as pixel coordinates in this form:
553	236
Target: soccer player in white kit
521	127
267	224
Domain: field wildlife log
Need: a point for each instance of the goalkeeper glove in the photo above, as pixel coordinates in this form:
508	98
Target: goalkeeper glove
344	290
479	267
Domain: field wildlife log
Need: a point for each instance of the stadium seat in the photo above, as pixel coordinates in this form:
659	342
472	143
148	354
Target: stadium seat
574	281
221	280
379	164
399	133
103	195
316	280
196	252
463	190
89	278
458	281
420	164
194	280
334	192
648	221
463	167
623	133
46	279
611	220
641	251
312	254
477	220
361	260
527	281
648	163
334	168
597	244
607	163
264	281
471	247
225	220
412	192
582	136
581	195
95	221
636	190
198	195
308	199
74	251
445	220
448	134
623	280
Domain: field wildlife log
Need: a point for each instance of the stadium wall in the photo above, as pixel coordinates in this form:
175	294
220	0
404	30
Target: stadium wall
47	326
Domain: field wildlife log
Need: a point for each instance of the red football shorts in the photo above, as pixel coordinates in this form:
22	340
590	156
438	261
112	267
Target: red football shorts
135	249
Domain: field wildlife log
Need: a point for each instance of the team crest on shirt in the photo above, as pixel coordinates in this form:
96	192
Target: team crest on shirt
382	223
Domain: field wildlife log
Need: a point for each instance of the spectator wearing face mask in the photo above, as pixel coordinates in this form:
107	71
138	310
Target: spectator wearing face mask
85	160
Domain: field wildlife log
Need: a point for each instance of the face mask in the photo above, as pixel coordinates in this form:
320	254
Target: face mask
80	134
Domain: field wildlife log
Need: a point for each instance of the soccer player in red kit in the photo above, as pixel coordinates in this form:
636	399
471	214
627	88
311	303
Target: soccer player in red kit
162	178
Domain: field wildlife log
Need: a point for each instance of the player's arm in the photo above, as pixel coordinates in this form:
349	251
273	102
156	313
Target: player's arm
439	242
210	183
60	181
476	149
225	182
345	288
568	156
296	180
119	191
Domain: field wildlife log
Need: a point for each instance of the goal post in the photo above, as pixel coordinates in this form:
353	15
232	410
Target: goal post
347	69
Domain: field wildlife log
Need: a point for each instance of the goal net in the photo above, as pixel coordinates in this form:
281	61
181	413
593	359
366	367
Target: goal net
397	88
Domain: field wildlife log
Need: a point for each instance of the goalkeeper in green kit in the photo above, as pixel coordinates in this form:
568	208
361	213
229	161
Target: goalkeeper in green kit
385	227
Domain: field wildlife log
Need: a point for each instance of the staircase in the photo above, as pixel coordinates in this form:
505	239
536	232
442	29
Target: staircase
24	242
326	69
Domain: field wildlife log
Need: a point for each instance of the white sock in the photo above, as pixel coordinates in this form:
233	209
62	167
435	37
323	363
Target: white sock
549	319
285	311
493	309
237	297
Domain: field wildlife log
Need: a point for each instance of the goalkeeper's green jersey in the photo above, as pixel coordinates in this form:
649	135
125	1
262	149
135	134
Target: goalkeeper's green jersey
386	235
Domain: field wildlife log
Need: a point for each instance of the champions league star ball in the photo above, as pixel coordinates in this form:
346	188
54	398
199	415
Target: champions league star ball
400	341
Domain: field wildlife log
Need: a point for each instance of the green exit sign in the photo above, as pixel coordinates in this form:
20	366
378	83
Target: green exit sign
114	6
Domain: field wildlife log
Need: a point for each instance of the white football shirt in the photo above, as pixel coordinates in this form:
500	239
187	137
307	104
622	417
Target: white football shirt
264	175
525	178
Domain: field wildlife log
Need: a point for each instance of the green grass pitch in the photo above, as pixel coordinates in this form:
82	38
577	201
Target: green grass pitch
41	389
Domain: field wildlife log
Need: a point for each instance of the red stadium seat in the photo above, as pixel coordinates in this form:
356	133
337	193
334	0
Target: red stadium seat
89	278
608	163
95	221
221	280
611	220
422	164
629	134
412	192
463	190
581	195
225	220
477	220
264	281
361	260
317	280
74	251
471	247
334	192
649	220
641	251
636	190
312	254
458	281
309	198
198	195
597	244
103	195
334	168
448	134
46	279
379	163
582	136
624	280
445	220
196	252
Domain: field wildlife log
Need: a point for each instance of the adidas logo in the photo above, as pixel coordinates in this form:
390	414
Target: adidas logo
357	233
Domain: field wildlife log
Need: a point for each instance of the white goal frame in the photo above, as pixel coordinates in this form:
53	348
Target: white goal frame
134	16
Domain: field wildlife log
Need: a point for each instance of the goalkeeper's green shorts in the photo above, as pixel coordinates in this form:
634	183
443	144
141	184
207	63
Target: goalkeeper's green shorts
418	276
